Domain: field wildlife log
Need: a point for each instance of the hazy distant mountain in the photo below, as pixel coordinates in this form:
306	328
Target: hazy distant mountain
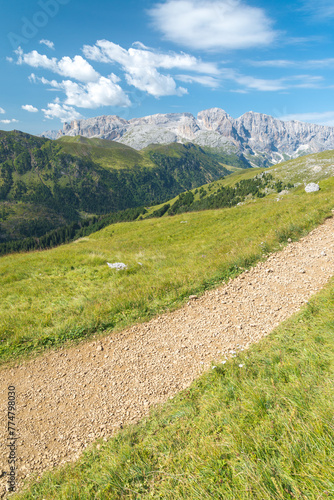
262	139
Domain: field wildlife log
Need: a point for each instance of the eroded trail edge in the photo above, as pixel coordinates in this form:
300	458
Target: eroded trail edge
67	399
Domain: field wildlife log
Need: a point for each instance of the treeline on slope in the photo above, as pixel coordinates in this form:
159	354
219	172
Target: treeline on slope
228	158
37	171
70	232
189	163
47	176
223	197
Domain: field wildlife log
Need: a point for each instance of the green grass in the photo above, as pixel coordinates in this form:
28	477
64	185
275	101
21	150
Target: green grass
17	219
261	431
108	154
69	293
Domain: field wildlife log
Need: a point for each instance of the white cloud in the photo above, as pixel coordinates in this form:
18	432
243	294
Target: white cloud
260	84
325	118
239	91
9	121
144	68
205	80
104	92
275	63
49	44
140	66
320	63
2	111
154	83
271	85
106	51
283	63
30	108
321	9
77	68
213	24
252	83
61	111
307	81
9	59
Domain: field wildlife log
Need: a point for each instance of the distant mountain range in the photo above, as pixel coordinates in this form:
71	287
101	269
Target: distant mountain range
261	139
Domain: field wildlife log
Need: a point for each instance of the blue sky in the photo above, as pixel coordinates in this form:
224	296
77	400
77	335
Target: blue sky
69	59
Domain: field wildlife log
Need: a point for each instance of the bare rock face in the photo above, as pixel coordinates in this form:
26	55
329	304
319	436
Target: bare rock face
104	127
255	135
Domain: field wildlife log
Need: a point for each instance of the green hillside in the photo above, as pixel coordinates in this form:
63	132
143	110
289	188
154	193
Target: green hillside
45	184
240	187
260	432
70	286
248	185
108	154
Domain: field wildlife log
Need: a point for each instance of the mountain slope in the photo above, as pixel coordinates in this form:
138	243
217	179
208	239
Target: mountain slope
45	184
74	293
262	139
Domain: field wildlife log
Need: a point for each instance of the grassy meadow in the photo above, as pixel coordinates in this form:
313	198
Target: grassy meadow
108	154
69	293
259	427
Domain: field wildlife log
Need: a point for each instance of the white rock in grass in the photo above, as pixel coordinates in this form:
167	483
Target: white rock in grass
117	265
312	187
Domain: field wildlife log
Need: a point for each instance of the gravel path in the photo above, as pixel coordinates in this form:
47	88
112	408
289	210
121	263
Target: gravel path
67	399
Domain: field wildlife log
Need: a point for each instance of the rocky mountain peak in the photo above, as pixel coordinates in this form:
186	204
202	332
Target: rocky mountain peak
214	118
261	138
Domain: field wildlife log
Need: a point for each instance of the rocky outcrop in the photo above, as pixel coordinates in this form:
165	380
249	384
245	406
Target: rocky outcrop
104	127
261	138
312	187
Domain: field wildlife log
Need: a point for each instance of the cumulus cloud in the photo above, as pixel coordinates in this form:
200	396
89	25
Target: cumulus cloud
2	111
13	120
61	111
49	44
324	118
144	68
30	108
141	66
213	24
77	68
104	92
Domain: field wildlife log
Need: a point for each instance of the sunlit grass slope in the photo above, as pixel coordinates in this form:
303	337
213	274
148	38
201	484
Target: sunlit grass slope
301	171
108	154
69	292
259	427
